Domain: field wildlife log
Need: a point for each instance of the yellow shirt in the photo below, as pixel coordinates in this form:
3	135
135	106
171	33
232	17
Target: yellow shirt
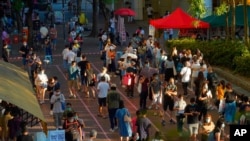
220	92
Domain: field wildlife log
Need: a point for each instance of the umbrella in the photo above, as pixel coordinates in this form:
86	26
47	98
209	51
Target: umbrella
148	71
124	12
133	56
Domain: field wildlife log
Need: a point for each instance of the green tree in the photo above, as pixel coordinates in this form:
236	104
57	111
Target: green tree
246	26
94	30
197	8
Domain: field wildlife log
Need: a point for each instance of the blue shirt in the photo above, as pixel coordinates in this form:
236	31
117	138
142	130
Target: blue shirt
72	73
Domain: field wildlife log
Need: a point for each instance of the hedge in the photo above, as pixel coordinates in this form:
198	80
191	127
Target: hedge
229	54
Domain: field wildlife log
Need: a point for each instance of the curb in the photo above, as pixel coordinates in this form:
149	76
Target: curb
240	85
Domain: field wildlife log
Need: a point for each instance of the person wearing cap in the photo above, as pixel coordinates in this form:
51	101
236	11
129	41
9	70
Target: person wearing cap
92	135
102	91
113	99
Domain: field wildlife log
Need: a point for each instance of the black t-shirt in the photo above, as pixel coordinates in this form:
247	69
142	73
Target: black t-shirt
25	50
82	65
24	138
192	118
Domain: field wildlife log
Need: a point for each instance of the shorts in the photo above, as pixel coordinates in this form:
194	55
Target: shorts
193	128
44	85
72	83
102	102
168	103
157	98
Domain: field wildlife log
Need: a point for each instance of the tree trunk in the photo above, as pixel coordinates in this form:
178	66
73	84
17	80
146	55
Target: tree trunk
79	8
233	20
246	26
30	24
106	14
94	30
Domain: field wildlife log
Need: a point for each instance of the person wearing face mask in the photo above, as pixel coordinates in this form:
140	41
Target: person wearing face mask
169	93
219	133
72	128
179	107
57	99
207	128
192	113
155	85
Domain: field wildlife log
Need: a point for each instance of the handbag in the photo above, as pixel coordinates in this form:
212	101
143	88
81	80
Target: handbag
127	118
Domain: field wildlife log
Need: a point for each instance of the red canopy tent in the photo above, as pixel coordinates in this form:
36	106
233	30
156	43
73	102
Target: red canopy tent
178	20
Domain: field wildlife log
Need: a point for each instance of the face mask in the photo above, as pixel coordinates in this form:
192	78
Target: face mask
208	120
157	78
147	65
223	125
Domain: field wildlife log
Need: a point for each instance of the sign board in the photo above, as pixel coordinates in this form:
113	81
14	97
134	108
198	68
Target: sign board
53	135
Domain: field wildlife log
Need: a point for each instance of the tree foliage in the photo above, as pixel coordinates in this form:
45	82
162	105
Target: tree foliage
197	8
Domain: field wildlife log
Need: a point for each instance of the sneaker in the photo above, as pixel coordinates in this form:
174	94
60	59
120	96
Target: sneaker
111	130
51	112
116	127
172	121
74	96
41	102
155	114
71	96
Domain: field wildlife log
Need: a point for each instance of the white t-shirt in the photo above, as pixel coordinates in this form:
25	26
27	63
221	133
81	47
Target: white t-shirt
195	69
150	10
41	79
185	72
64	53
102	88
181	104
70	56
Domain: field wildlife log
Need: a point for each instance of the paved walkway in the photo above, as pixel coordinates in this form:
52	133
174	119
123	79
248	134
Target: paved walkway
87	108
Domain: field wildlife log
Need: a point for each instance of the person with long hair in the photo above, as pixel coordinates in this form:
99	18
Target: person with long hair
220	90
90	81
199	81
125	130
207	128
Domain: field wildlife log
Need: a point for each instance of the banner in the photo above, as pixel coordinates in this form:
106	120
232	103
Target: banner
40	136
56	135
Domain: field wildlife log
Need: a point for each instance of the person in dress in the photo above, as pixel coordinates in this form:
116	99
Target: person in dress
125	130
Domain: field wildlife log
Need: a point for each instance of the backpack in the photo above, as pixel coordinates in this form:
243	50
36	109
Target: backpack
74	131
247	118
149	53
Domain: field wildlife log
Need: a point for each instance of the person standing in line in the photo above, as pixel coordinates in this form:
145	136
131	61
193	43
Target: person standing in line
185	73
168	100
64	54
25	136
143	91
5	55
179	107
195	67
143	125
102	90
125	130
113	99
53	36
72	79
56	99
83	74
70	56
24	50
192	113
105	74
155	85
41	83
150	11
90	81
